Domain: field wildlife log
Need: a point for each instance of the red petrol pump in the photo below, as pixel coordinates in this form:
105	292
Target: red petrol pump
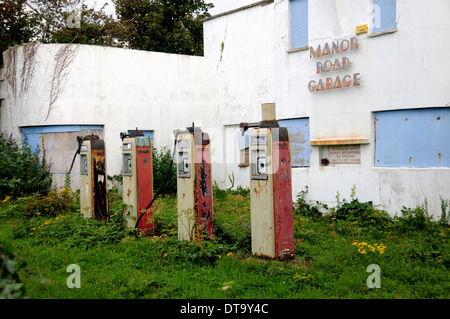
194	185
93	194
137	181
270	187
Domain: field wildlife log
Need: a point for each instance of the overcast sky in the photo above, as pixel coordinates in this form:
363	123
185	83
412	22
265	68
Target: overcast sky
219	5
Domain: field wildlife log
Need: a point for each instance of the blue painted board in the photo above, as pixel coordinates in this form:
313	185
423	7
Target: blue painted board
299	23
243	140
413	138
298	140
387	14
31	134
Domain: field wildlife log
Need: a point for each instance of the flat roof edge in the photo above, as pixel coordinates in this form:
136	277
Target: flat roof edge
259	3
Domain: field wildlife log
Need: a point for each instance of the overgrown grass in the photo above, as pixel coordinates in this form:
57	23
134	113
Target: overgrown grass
333	251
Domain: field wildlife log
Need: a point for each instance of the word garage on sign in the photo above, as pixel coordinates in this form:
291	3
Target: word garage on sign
337	83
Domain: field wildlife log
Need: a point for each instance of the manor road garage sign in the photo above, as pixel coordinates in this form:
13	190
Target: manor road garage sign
323	67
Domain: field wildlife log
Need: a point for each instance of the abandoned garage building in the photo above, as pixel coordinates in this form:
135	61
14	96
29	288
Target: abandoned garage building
362	87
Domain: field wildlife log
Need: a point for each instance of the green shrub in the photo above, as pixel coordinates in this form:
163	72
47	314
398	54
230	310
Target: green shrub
413	219
161	163
21	171
77	231
302	208
52	204
231	219
204	252
66	224
364	213
165	216
219	194
445	215
11	286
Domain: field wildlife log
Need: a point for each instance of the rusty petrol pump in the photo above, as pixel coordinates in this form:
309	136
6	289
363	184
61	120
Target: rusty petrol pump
194	186
270	187
93	193
137	181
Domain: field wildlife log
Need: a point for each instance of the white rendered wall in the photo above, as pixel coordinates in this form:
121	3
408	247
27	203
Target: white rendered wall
239	47
401	70
247	62
118	88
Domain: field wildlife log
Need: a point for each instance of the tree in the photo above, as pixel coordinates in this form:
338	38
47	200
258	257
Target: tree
16	25
72	21
172	26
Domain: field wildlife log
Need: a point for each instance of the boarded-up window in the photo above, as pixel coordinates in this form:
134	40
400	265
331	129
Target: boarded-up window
60	144
384	15
299	23
413	138
298	140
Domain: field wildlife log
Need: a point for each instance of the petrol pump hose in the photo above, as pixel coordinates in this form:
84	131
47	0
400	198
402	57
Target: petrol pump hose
176	132
80	141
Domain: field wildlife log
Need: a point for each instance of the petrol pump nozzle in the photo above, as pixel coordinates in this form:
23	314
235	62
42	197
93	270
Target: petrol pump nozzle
244	126
132	133
177	132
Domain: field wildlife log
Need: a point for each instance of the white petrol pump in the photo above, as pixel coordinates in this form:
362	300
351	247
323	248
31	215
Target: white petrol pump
193	184
270	187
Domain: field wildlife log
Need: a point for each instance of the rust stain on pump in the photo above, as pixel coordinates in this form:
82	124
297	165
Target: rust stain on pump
258	189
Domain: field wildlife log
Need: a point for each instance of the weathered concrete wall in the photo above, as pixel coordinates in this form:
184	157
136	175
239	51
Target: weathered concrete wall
400	70
117	88
248	62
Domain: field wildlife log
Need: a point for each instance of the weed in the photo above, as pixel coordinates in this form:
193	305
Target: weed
51	204
231	218
413	264
161	163
21	171
445	215
364	214
11	287
413	219
302	208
